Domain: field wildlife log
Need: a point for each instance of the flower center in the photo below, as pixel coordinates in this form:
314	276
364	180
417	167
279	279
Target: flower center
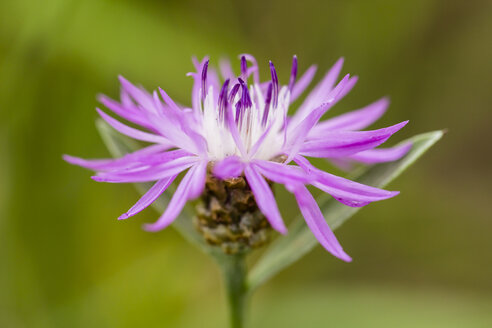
246	121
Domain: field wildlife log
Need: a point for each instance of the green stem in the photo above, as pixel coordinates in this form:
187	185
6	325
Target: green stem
234	272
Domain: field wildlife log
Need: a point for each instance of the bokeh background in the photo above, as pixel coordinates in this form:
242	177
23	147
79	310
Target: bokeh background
422	259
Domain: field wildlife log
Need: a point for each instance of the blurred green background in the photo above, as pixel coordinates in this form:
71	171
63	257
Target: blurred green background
422	259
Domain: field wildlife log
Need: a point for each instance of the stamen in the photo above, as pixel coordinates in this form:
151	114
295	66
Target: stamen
222	102
204	80
245	97
233	92
293	73
239	113
275	84
267	105
244	67
232	96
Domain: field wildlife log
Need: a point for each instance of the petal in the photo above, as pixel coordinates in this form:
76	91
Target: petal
229	167
297	135
131	132
348	87
149	173
141	96
282	173
198	180
355	120
344	143
265	199
348	192
331	97
382	154
184	192
316	222
226	69
303	83
260	140
149	197
234	131
111	164
125	112
319	93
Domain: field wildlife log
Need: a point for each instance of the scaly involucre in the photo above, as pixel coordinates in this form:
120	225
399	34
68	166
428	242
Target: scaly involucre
244	129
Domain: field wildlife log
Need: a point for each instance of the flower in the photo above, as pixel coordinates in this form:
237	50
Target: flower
240	129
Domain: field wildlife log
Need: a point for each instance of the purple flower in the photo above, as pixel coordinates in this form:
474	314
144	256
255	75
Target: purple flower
244	129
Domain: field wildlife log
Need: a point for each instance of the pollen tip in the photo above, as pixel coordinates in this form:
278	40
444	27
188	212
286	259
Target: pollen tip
244	66
123	216
204	79
293	73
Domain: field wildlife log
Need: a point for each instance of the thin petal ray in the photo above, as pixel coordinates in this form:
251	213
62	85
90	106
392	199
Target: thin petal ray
317	224
149	197
185	191
265	199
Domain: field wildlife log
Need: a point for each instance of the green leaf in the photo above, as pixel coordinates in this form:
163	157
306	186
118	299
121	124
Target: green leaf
119	145
299	241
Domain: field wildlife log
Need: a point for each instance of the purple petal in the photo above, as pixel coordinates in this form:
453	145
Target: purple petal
170	102
214	81
131	132
265	199
303	83
331	98
110	164
348	192
231	124
260	140
297	135
229	167
348	87
140	96
146	174
282	173
344	143
318	95
125	112
226	69
382	154
149	197
185	191
354	120
316	222
198	180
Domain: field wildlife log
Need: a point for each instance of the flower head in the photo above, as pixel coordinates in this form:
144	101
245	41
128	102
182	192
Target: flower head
241	128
